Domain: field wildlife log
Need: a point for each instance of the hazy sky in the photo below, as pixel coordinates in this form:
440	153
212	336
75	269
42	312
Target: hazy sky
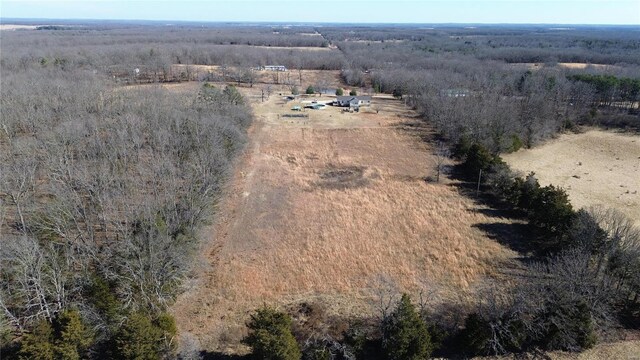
412	11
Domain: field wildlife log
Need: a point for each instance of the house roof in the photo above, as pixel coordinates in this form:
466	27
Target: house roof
350	98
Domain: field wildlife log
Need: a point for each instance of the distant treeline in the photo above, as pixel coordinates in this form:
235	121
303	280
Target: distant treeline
610	89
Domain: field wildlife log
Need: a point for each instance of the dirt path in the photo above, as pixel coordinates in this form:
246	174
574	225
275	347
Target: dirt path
322	208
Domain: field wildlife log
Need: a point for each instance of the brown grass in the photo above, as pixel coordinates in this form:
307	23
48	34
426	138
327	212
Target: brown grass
309	77
17	27
536	66
596	168
320	210
303	48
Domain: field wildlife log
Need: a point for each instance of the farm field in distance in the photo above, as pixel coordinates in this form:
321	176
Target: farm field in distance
595	167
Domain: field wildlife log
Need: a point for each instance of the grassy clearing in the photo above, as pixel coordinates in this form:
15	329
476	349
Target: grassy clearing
596	168
330	210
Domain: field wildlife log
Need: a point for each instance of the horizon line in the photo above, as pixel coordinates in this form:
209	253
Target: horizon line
3	19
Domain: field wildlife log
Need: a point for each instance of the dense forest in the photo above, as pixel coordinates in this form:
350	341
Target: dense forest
104	187
104	190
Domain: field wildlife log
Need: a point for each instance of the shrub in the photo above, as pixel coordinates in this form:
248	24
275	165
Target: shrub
474	338
310	90
462	147
233	95
568	327
38	345
339	92
551	211
478	158
405	335
516	143
270	336
143	338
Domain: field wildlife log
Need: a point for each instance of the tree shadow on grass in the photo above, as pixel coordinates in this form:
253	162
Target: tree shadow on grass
512	235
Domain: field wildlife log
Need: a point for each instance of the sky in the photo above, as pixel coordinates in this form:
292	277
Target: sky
614	12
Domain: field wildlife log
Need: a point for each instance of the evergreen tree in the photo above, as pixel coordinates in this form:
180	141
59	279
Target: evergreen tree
353	92
310	90
478	158
475	336
72	338
141	338
405	335
66	338
38	345
270	336
339	92
233	95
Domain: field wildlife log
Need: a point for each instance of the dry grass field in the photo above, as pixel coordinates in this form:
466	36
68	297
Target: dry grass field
629	350
309	77
321	209
581	66
624	350
596	168
17	27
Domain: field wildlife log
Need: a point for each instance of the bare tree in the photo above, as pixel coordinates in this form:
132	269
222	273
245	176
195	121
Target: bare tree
441	155
18	180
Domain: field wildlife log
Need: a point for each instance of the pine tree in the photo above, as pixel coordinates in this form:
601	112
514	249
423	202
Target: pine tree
38	345
405	335
270	336
138	339
72	339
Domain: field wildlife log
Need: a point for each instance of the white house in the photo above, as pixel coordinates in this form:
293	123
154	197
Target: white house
275	67
353	101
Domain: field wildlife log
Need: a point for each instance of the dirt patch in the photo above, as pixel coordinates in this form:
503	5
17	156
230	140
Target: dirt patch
596	168
342	177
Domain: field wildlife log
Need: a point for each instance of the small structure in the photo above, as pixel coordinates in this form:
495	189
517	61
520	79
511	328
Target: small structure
315	106
353	101
274	68
296	108
454	93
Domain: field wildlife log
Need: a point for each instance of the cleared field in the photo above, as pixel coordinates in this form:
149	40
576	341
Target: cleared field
536	66
17	27
620	350
303	48
596	168
309	77
322	209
